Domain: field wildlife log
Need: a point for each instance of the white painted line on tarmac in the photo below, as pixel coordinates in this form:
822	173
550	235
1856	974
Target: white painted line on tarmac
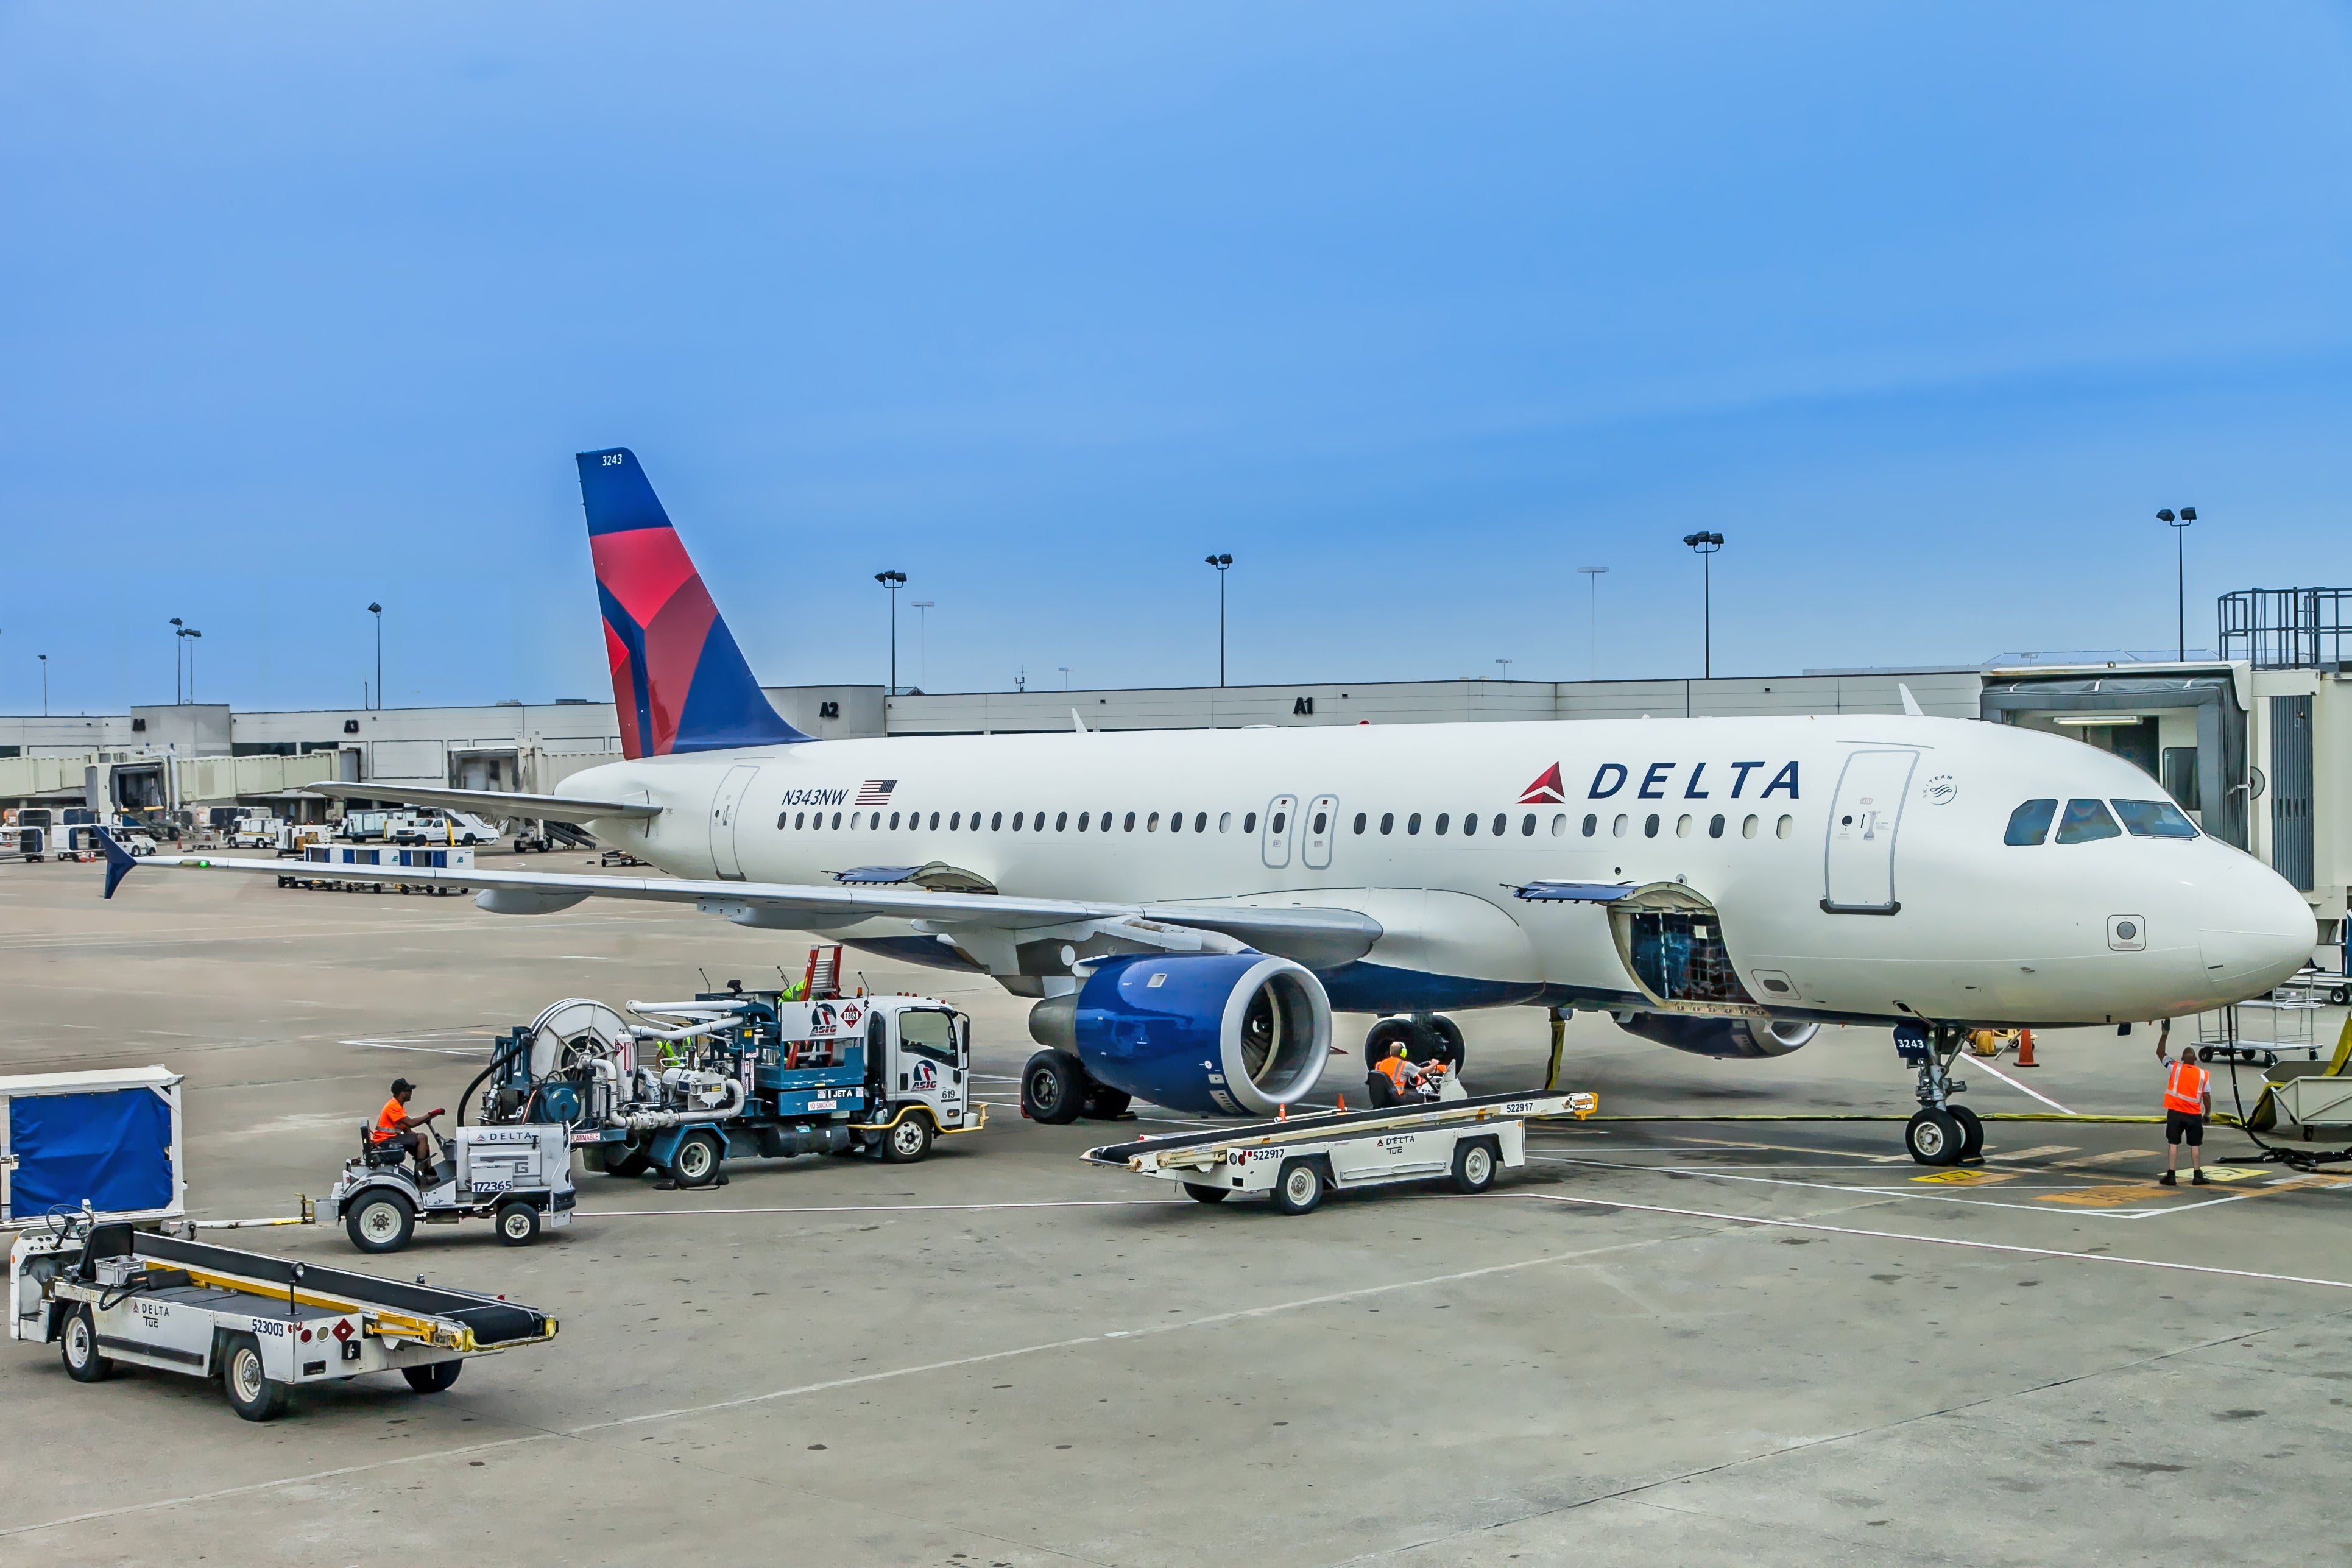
1719	1175
429	1050
1980	1062
1944	1241
1114	1336
898	1208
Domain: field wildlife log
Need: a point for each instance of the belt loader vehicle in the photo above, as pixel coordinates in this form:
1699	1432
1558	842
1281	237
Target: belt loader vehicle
110	1296
1295	1161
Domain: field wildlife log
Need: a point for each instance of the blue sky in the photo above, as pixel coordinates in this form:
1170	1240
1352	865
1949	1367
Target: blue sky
1412	310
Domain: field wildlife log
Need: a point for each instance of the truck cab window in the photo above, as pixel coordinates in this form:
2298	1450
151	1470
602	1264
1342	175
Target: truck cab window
2030	823
923	1032
2085	820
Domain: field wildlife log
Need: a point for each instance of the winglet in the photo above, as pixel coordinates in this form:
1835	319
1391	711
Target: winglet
1910	704
119	862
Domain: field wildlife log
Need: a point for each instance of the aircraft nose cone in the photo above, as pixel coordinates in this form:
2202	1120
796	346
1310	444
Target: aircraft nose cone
2256	935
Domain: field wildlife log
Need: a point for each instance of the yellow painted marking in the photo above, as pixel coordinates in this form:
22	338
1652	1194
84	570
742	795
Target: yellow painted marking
2233	1173
1968	1178
2102	1197
2038	1152
2114	1157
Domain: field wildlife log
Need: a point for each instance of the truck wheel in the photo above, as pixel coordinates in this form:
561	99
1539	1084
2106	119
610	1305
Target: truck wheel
1106	1104
518	1225
252	1393
1052	1088
84	1361
435	1378
909	1139
379	1222
1475	1166
1206	1195
695	1163
1299	1187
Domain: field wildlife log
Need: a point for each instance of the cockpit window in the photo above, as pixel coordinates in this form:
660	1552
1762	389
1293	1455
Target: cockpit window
2155	819
2085	820
2030	823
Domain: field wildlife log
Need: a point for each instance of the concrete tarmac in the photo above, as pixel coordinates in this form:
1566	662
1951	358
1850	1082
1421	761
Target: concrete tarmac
1752	1341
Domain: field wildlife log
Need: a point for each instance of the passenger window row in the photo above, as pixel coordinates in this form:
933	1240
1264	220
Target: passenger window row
2085	820
1469	824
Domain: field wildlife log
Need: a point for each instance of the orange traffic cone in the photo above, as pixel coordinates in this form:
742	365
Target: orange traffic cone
1282	1113
1343	1103
2025	1048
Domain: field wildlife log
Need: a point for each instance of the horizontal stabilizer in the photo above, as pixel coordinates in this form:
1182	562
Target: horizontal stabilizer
506	802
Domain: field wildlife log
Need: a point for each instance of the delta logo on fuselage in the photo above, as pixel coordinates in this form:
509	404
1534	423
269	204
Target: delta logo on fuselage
1656	780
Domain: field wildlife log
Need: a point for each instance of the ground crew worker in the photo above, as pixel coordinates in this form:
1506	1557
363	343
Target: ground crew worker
2187	1101
1391	1076
396	1129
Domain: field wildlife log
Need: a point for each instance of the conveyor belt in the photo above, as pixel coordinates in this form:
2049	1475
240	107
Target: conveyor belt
493	1322
1295	1126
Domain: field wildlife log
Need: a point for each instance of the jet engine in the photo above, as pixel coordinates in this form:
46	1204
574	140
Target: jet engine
1221	1034
1725	1037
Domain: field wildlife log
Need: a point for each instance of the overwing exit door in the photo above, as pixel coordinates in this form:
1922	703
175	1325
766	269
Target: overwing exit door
1281	815
1868	808
725	807
1320	827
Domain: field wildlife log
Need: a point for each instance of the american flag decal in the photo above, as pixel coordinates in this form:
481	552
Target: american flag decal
875	791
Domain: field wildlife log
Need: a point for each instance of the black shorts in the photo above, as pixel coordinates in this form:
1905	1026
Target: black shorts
2181	1127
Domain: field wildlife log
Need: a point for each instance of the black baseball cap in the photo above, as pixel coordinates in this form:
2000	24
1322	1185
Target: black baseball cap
402	1086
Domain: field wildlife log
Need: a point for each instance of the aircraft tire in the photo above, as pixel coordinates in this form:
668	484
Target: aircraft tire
1447	1045
1054	1088
1971	1131
1934	1138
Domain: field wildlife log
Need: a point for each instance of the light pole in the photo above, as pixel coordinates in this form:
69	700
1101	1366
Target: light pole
1707	545
191	632
45	686
923	608
377	611
2180	526
1223	564
176	646
894	581
1065	676
1592	618
1506	667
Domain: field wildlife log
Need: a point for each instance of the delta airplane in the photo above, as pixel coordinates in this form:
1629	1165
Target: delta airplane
1189	908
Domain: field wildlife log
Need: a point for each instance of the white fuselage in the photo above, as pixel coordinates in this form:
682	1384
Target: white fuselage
1791	827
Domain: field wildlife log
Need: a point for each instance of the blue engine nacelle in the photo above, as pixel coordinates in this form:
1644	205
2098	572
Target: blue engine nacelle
1238	1034
1726	1037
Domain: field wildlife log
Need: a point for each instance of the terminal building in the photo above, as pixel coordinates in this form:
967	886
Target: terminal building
2256	744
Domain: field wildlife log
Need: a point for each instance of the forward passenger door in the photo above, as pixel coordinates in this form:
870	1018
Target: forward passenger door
1859	875
724	808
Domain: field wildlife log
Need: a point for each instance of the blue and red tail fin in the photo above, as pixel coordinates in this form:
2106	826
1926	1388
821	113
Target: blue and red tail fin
679	683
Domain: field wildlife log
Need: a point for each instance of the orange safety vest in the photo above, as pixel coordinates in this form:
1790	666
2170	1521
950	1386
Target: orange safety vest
2184	1088
1394	1067
387	1121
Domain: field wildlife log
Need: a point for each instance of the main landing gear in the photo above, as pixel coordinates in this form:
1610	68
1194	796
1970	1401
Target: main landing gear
1943	1132
1422	1037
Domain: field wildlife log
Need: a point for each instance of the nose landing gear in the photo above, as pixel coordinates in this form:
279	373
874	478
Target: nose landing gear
1943	1132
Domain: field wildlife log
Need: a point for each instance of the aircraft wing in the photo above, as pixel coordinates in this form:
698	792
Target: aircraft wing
505	803
1320	938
